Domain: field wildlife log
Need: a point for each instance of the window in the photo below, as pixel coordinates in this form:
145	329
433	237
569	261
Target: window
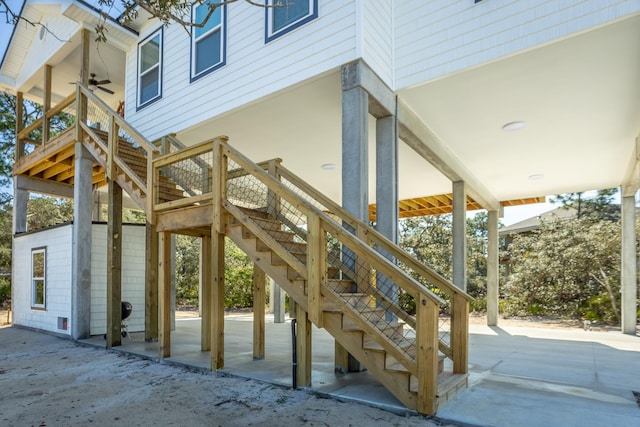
208	42
38	278
290	15
150	69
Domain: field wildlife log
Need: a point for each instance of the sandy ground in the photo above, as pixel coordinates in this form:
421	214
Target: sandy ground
49	381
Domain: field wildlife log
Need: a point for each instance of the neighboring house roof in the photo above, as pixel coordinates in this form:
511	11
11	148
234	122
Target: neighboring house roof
533	223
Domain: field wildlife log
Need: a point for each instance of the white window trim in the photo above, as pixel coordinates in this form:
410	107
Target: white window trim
222	27
271	35
43	278
150	37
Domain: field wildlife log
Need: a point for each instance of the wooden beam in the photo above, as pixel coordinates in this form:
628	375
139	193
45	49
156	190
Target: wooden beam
46	103
114	266
151	285
217	299
189	217
205	289
19	123
303	347
460	334
317	266
259	294
164	300
417	135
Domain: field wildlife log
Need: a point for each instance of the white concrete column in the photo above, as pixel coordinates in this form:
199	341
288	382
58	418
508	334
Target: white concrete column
355	143
628	280
20	200
81	247
460	235
276	301
387	196
492	269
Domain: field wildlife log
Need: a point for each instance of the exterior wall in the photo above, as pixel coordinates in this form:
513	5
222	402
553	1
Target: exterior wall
58	243
58	279
253	69
439	37
376	37
133	264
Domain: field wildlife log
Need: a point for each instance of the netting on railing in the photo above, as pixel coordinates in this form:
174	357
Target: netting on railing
352	279
97	117
193	175
58	124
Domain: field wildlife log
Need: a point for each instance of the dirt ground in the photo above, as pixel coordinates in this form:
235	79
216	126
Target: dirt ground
50	381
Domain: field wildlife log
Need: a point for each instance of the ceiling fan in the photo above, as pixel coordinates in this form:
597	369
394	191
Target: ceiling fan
98	83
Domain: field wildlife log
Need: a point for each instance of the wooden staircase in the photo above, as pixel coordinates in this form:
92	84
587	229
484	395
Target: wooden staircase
343	311
285	228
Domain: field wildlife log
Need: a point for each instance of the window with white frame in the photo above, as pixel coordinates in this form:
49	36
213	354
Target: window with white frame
285	15
208	42
38	278
150	69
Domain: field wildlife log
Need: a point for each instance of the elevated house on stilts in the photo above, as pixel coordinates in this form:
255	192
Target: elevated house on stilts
289	130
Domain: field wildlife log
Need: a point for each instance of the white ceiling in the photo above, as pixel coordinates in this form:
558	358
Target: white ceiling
580	98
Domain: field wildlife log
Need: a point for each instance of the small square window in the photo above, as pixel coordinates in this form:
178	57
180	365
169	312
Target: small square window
150	69
208	43
283	16
38	278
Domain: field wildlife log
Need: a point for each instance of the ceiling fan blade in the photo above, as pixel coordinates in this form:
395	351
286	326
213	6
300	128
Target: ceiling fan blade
105	90
103	82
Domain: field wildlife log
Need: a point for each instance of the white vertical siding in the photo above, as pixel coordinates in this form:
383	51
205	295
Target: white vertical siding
58	279
377	37
443	36
133	265
253	69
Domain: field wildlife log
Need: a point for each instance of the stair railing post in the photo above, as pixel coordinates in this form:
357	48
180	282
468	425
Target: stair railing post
427	353
153	180
460	334
219	189
273	200
19	123
113	148
316	267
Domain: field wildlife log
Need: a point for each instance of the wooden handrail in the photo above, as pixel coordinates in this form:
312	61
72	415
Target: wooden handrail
376	237
122	124
394	272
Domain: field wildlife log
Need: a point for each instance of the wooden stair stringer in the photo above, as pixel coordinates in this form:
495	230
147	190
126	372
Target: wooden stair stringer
397	382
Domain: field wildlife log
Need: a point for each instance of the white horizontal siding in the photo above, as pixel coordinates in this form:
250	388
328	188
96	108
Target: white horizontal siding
133	284
377	37
58	279
253	69
443	36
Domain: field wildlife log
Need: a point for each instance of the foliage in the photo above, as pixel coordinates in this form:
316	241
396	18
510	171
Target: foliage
238	274
45	211
596	207
566	268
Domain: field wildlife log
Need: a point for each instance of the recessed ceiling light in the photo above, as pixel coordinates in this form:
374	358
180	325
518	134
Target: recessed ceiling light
328	166
536	177
517	125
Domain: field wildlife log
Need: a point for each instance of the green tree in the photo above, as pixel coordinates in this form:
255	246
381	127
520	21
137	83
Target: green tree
566	268
598	206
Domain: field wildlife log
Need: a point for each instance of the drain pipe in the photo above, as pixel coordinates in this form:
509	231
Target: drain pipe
294	354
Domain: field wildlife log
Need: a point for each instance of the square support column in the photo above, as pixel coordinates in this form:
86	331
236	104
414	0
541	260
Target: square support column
205	293
492	269
629	268
217	300
259	294
81	247
151	284
303	347
164	300
460	235
114	266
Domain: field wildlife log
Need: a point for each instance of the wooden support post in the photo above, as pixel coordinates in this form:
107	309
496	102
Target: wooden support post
19	125
165	295
273	200
114	266
427	354
317	267
341	358
151	285
259	294
219	189
217	300
205	287
303	347
460	334
46	103
113	149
